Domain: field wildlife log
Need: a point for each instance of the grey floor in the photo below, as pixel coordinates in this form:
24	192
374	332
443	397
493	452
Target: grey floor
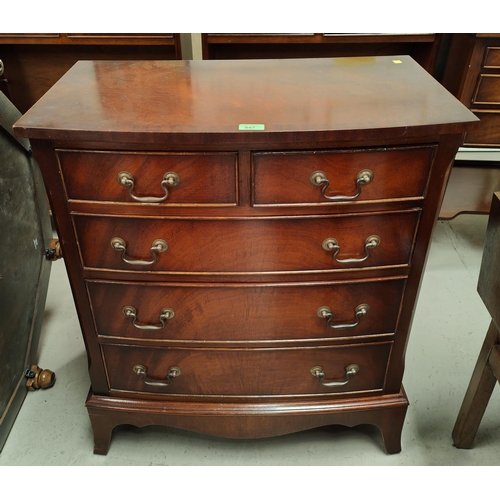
448	329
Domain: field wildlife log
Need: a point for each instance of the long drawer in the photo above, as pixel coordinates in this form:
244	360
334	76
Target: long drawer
165	178
250	245
254	312
312	177
247	371
488	134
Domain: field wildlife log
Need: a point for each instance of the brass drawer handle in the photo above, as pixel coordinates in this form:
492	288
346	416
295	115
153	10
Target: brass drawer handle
173	372
158	246
317	371
170	179
319	178
326	312
331	244
165	315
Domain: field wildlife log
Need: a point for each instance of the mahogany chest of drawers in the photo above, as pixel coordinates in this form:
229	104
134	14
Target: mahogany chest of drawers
245	239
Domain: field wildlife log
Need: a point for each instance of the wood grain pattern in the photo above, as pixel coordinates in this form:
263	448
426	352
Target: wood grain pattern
239	313
268	245
247	420
282	177
245	281
168	107
205	178
34	62
265	372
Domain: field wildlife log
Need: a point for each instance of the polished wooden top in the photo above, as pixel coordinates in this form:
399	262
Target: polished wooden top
206	101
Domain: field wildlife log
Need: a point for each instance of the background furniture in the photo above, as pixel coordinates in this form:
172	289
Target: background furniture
33	62
423	47
472	74
242	267
487	370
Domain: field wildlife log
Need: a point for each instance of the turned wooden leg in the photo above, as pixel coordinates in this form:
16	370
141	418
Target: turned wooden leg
478	393
102	427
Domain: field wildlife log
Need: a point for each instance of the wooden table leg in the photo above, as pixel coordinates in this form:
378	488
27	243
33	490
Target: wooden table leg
478	393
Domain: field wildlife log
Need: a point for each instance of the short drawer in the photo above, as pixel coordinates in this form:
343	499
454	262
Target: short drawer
165	178
238	313
246	246
247	372
488	90
488	132
492	58
367	175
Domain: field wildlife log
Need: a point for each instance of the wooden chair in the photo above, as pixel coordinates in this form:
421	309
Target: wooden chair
487	370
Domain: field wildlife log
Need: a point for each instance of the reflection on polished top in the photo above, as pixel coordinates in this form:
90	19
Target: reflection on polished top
149	100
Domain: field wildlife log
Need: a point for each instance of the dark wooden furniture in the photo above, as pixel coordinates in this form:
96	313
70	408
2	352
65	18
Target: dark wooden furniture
245	239
33	62
487	370
423	47
472	74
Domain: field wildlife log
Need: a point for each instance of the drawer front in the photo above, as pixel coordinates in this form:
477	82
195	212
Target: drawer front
492	58
245	371
488	90
206	178
252	245
231	313
488	132
282	178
